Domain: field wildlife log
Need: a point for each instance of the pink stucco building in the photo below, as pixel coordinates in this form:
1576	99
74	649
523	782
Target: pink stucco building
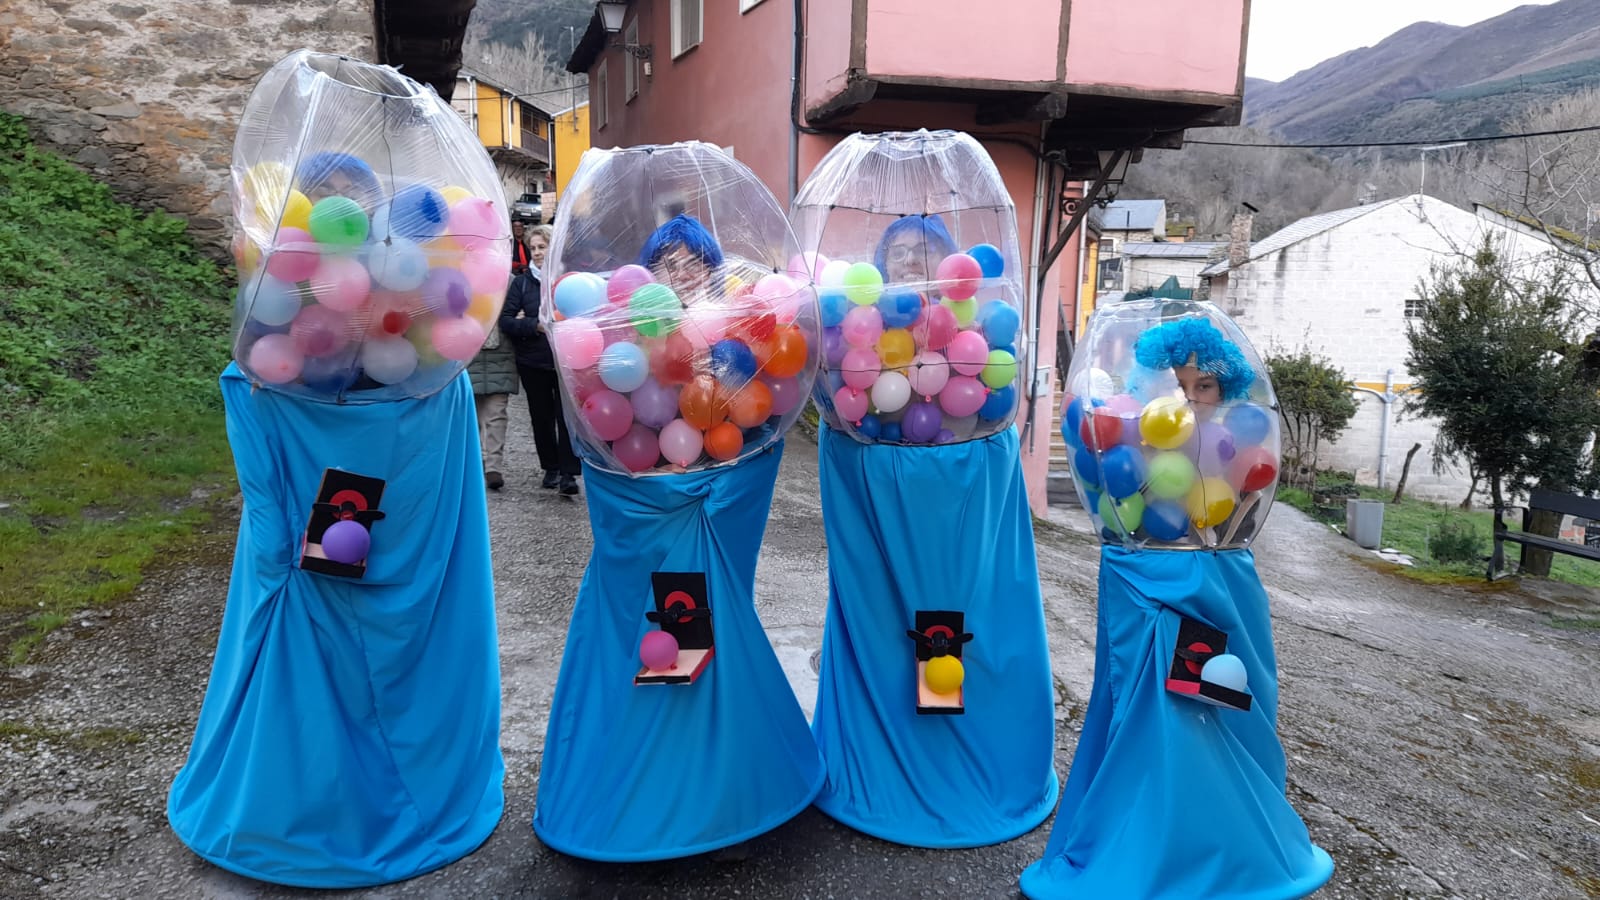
1060	92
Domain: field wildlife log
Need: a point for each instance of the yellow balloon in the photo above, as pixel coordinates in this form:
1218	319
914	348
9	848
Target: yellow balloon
296	212
944	674
454	192
731	285
485	308
266	181
896	349
1167	423
1211	502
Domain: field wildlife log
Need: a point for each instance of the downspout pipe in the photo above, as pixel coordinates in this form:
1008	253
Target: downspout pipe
1388	397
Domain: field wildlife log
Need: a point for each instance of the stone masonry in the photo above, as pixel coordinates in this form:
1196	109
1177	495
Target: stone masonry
147	96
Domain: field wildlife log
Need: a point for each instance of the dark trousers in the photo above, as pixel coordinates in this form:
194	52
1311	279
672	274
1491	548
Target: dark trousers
550	435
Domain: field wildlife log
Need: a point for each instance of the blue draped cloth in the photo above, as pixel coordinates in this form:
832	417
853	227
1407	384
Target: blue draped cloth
350	732
1168	796
933	528
633	773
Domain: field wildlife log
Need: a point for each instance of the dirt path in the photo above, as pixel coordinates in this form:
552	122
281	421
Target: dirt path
1442	742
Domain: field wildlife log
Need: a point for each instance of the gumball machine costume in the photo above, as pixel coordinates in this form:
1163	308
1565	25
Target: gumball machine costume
350	732
1177	787
685	350
935	711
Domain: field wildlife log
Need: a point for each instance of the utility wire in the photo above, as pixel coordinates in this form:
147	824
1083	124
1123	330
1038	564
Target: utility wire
1357	145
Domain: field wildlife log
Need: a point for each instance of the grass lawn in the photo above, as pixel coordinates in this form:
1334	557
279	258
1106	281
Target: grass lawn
1409	525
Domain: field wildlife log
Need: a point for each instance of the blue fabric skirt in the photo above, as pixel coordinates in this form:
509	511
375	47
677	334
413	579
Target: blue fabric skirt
1168	796
633	773
350	731
933	528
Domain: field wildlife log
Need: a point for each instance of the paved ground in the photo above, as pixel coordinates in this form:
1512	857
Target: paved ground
1443	742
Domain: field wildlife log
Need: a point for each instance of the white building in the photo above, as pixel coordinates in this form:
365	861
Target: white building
1147	264
1343	284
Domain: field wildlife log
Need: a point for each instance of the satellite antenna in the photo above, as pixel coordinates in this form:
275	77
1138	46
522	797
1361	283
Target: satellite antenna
1423	182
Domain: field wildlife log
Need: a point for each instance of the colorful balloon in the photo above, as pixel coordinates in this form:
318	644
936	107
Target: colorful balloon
1166	423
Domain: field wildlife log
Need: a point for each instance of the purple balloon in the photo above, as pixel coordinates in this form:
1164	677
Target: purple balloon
447	292
346	541
654	404
944	436
833	345
1212	448
922	423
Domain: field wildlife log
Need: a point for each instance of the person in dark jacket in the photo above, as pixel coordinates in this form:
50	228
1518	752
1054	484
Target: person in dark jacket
536	366
494	380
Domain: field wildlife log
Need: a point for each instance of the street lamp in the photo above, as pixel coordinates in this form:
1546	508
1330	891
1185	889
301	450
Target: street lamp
611	14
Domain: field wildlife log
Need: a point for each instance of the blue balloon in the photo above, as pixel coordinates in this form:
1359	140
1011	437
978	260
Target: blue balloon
624	367
1000	321
869	427
275	302
1123	469
899	308
1087	467
834	305
835	382
579	294
1073	420
732	362
989	260
1009	348
998	404
1249	423
1092	498
1166	520
330	374
891	432
417	212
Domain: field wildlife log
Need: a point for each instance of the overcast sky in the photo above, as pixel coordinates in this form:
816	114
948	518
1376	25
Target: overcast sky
1287	36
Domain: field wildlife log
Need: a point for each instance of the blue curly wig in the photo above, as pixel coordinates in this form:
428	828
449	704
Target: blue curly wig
929	228
685	231
1170	344
315	170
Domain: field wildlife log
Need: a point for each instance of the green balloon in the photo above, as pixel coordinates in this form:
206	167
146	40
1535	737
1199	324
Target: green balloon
339	221
863	283
1001	369
1171	474
965	310
1122	516
654	310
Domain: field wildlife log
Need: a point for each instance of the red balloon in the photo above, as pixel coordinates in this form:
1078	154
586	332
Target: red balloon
1100	429
1253	469
672	361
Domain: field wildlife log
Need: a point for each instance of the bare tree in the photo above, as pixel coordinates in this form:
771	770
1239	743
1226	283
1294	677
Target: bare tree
527	69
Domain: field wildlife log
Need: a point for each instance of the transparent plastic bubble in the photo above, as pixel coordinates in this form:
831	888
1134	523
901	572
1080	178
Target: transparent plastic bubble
682	317
373	238
1171	426
912	239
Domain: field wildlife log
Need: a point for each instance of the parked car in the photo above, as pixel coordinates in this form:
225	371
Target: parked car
528	209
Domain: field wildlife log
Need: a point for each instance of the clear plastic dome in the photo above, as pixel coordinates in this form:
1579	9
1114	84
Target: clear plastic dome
682	318
372	234
912	240
1172	426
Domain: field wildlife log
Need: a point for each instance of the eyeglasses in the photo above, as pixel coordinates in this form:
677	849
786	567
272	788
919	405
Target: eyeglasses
899	253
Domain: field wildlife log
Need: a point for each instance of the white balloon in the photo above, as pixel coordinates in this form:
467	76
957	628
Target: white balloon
891	392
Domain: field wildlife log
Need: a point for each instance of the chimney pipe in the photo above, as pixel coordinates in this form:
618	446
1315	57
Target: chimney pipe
1239	239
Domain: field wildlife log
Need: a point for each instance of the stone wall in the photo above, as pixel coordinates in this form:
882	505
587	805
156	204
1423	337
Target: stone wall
147	96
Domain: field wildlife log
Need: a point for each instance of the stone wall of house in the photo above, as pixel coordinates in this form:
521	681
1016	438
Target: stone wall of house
147	95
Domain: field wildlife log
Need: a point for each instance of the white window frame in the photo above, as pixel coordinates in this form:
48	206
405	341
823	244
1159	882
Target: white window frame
747	5
1413	308
682	43
602	84
630	71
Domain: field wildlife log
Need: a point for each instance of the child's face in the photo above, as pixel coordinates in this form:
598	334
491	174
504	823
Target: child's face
906	260
1202	389
686	273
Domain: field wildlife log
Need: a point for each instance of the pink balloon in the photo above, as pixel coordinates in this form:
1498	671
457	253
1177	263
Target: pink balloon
582	384
458	339
962	396
851	404
785	394
959	274
705	326
341	283
773	291
860	368
319	331
609	414
681	442
863	325
1124	405
658	650
294	255
807	266
275	359
625	281
476	222
637	450
937	328
488	268
579	343
968	353
929	373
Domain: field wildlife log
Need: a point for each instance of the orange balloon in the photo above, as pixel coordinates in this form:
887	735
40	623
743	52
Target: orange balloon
788	353
703	404
724	441
751	405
